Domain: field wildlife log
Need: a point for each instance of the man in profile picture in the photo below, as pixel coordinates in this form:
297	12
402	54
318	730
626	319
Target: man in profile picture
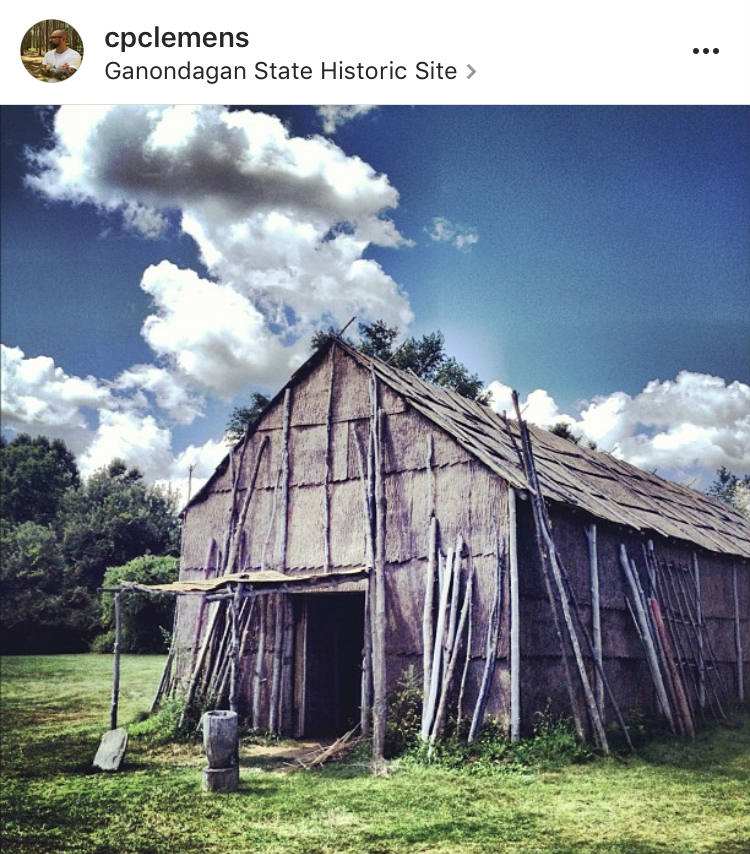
62	61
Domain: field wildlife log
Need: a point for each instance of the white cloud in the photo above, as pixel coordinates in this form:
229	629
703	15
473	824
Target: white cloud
133	437
39	397
171	391
333	116
684	427
442	230
212	334
281	223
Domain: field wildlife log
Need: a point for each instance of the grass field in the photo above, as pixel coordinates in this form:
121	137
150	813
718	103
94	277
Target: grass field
674	797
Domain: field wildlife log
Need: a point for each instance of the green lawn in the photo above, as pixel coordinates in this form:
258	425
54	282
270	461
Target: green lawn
675	797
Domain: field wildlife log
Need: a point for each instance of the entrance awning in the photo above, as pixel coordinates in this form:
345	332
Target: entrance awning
349	578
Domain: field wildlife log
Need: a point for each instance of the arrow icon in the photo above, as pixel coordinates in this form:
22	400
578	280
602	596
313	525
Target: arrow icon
472	71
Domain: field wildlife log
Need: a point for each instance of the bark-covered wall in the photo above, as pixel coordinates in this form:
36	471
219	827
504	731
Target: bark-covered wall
325	509
465	497
625	666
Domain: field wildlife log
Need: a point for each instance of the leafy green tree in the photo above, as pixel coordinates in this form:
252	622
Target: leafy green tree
146	618
113	518
244	417
725	486
425	356
562	429
42	609
35	474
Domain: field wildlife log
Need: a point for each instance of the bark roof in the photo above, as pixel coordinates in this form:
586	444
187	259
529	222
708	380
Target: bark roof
597	483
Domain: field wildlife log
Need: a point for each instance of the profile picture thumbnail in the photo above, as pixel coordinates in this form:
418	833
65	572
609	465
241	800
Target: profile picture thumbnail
52	51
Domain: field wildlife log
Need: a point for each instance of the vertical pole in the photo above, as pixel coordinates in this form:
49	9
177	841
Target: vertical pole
285	476
378	613
515	625
260	654
737	635
699	620
327	475
234	649
427	618
366	687
596	619
116	665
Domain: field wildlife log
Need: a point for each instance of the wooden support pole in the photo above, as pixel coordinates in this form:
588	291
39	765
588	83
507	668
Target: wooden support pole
644	627
327	473
286	702
490	652
681	704
259	673
285	469
575	708
437	652
542	524
366	685
366	503
714	682
452	658
455	589
699	621
737	636
278	637
234	651
277	602
515	620
234	543
596	620
467	660
116	663
427	616
379	705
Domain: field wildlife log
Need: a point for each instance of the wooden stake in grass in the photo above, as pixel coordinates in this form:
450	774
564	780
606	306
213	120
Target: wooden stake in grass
116	663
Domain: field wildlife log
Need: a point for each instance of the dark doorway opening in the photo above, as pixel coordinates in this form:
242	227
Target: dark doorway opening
329	635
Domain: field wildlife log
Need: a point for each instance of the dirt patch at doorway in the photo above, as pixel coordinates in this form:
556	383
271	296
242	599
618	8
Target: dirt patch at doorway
283	756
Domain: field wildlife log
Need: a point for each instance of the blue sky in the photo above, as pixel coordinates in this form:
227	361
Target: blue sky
158	265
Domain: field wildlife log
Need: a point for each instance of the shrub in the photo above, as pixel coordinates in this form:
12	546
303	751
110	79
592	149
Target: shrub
554	743
146	624
404	718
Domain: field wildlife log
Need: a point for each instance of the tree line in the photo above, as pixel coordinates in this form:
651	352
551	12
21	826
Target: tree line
62	538
36	40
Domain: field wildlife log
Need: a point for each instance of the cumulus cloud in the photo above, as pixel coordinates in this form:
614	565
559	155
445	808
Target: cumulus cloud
333	116
171	391
682	427
281	223
39	397
138	439
442	230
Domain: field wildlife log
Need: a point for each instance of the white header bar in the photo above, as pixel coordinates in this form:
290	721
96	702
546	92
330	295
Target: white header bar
392	51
